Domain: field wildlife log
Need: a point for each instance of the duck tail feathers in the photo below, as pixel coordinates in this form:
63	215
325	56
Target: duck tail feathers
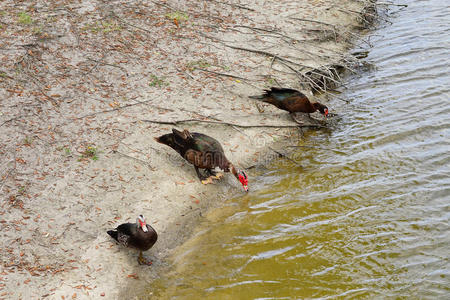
166	139
113	233
257	97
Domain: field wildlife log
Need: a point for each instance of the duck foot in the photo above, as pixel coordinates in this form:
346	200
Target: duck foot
297	119
260	109
208	180
143	261
217	176
213	174
304	119
204	179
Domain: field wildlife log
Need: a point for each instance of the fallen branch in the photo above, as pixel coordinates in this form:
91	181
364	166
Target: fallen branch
361	14
131	25
10	120
106	64
221	74
175	123
136	159
41	88
121	107
389	3
235	5
312	21
266	54
273	31
285	156
308	147
6	178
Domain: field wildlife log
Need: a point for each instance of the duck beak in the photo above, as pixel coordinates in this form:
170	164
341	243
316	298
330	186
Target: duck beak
143	226
245	188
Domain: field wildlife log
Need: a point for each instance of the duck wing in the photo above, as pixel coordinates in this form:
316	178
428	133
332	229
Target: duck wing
291	100
204	143
283	98
282	93
199	149
123	233
206	152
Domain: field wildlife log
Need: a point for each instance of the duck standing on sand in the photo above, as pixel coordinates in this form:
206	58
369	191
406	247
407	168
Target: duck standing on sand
204	152
291	100
137	235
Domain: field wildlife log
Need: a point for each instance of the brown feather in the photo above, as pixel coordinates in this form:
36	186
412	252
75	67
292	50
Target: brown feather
290	100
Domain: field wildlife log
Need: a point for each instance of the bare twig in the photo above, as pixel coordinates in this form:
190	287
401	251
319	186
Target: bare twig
362	14
131	25
221	74
40	86
273	31
285	156
6	178
136	159
106	64
122	107
265	53
234	5
308	147
390	3
7	121
312	21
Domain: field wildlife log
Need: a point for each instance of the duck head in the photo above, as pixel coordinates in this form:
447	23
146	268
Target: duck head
140	221
241	176
321	108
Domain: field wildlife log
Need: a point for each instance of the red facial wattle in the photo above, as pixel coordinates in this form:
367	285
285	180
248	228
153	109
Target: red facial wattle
244	181
143	226
325	112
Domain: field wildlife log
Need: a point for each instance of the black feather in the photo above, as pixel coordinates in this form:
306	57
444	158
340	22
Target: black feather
113	234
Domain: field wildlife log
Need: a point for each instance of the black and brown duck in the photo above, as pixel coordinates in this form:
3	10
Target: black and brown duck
204	152
137	235
291	100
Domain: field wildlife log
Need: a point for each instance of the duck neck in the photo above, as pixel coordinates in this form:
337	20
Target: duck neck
315	106
234	171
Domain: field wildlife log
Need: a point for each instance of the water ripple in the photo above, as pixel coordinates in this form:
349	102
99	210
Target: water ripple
368	214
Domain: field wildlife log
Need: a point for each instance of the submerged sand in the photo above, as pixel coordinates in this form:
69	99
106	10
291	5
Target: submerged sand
81	82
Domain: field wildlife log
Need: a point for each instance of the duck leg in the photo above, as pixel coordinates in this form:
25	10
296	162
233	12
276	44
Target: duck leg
296	119
260	109
204	179
213	174
142	260
304	119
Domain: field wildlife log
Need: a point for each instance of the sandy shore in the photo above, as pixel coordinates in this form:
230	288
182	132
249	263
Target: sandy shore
80	82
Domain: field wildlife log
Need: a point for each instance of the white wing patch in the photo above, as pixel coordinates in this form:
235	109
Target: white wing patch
123	239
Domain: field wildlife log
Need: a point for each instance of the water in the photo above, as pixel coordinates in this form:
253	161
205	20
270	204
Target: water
368	214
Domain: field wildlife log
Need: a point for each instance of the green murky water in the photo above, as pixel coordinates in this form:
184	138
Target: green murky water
368	214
